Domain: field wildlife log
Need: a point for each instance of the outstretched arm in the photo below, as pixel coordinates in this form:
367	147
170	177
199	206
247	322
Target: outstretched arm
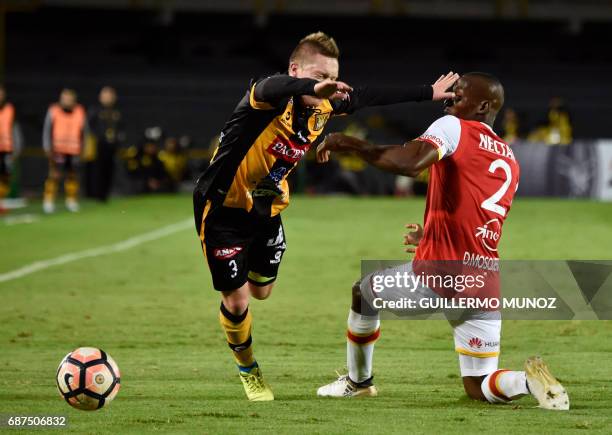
409	159
275	88
376	95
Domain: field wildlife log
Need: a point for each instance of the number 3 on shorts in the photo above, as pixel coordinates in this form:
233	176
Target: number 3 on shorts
234	268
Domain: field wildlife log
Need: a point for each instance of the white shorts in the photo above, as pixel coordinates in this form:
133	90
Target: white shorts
477	343
477	335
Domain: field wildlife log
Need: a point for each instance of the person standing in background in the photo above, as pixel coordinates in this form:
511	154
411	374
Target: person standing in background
556	128
11	142
107	130
64	134
559	123
511	126
174	158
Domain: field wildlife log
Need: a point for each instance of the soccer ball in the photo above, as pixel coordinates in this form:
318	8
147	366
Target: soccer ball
88	378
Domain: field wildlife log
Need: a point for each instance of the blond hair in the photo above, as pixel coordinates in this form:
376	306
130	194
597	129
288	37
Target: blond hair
317	42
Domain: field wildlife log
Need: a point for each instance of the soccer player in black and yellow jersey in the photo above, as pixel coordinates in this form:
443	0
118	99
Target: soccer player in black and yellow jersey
238	199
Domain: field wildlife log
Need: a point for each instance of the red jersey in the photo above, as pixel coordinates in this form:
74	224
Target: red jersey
470	193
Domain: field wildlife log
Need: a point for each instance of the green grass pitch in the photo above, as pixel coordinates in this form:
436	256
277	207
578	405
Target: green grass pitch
153	309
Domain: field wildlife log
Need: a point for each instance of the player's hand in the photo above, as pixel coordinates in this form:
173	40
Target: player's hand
332	89
414	237
441	86
332	142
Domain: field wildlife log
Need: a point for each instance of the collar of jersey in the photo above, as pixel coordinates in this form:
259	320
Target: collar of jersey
489	127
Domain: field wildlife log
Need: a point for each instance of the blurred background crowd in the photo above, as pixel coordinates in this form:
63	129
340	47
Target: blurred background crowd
139	89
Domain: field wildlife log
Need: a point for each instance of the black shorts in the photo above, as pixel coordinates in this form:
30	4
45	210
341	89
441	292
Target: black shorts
240	247
66	162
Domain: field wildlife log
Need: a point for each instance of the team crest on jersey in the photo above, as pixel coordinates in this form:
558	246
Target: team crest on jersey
226	253
320	119
489	234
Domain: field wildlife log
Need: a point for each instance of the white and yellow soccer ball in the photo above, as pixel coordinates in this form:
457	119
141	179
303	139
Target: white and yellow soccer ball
88	378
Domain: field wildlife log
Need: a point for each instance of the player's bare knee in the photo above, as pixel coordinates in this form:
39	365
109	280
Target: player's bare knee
236	306
471	385
356	297
261	292
236	301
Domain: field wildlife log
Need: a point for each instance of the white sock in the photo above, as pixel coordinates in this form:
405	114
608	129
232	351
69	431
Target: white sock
363	331
502	386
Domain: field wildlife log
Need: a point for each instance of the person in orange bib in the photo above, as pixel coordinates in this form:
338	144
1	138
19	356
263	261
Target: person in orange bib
10	143
64	134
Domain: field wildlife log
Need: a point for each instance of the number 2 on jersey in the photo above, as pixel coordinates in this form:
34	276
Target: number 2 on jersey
491	202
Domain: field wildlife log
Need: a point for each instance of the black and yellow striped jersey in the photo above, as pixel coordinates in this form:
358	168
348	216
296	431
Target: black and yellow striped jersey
268	133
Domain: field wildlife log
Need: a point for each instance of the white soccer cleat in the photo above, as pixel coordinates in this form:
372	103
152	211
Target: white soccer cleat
547	390
48	207
344	387
72	205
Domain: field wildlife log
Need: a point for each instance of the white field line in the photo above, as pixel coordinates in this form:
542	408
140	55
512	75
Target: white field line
95	252
28	218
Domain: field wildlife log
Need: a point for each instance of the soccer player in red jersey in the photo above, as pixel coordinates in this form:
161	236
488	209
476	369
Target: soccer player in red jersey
474	177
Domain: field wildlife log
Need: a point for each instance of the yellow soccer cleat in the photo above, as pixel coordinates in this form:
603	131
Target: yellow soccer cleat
255	387
544	386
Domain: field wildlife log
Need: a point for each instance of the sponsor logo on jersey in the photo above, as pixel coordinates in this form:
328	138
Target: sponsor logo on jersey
491	145
226	253
489	234
480	261
278	255
287	150
475	342
320	119
431	138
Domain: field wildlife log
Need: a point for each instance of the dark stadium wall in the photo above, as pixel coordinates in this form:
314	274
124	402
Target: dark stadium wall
187	74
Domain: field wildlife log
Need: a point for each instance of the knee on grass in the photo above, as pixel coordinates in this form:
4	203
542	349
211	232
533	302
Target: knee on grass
472	387
359	305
